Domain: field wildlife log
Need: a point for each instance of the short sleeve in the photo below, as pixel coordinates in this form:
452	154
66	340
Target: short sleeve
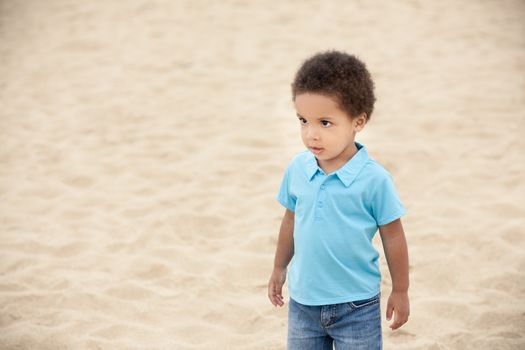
386	204
284	196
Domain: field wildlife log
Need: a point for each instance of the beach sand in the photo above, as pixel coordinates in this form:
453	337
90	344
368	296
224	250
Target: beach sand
143	143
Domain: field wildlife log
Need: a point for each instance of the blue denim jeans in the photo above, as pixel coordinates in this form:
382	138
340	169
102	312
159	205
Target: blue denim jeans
354	325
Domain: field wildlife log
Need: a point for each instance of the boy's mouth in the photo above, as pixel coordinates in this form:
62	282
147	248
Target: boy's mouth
316	150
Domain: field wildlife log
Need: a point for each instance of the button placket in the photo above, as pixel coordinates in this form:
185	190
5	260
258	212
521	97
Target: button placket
320	201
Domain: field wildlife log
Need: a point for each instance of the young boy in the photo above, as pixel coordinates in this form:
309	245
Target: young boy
336	198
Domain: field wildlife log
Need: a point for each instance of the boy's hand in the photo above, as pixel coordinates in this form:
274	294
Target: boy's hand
398	303
275	286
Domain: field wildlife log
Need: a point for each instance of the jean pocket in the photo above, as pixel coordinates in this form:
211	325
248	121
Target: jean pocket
365	302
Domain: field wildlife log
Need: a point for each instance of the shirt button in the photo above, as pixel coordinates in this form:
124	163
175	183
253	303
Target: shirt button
319	204
323	187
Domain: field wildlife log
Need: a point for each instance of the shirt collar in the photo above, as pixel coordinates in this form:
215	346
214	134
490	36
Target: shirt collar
348	172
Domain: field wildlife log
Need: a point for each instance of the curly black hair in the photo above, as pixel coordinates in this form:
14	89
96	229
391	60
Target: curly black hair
340	76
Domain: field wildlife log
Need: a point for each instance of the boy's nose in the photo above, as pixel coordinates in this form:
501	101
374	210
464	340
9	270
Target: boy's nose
312	134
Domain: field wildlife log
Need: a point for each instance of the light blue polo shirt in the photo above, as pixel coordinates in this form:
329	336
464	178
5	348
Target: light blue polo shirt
336	217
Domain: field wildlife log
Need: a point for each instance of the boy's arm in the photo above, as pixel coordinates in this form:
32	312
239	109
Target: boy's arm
285	249
396	252
283	255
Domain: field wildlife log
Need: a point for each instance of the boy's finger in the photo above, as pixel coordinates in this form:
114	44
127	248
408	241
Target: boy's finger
279	298
271	289
279	291
393	325
389	310
397	321
272	294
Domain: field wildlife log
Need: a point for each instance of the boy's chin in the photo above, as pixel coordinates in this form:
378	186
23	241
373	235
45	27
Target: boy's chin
320	156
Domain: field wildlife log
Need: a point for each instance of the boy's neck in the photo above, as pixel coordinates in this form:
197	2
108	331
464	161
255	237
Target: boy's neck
333	165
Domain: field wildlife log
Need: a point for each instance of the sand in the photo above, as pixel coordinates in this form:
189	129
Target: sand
143	142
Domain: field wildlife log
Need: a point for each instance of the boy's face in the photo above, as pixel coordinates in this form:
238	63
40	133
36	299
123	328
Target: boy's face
326	130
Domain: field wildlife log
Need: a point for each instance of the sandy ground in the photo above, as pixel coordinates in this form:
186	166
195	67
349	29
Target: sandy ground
143	142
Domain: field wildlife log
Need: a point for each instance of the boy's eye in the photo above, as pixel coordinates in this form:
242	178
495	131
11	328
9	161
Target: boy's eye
323	122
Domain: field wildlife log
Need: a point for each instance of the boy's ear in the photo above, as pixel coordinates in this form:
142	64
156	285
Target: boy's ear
361	121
